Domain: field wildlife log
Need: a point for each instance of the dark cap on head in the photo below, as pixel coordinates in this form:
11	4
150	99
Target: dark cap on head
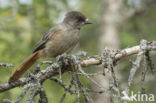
75	15
76	18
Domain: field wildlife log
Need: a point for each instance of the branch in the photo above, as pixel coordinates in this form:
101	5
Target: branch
53	69
123	53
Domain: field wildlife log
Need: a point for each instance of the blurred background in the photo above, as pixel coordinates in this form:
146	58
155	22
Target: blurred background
117	24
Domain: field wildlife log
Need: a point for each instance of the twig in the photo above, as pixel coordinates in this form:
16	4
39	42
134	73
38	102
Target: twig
43	96
63	85
143	75
69	87
6	65
135	66
150	64
24	91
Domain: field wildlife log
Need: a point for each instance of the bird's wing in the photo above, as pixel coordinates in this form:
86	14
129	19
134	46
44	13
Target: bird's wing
46	37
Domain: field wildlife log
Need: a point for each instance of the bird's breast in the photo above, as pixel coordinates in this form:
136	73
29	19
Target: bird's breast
62	42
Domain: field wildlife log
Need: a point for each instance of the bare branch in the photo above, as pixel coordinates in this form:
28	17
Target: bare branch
52	70
135	66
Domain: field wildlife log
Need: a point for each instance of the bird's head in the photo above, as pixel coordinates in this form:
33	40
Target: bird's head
76	19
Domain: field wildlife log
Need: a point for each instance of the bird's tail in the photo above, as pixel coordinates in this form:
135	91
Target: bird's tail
24	66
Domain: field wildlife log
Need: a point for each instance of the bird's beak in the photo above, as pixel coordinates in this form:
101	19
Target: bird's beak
88	22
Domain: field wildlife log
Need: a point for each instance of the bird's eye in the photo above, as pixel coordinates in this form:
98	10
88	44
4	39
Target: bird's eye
80	19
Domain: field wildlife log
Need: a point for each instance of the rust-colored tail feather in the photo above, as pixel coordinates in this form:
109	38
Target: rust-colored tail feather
24	66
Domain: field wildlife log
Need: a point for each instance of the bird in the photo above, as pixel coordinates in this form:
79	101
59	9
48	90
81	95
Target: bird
61	38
